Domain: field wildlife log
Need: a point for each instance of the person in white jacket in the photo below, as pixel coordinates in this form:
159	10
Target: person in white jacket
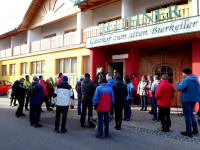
64	97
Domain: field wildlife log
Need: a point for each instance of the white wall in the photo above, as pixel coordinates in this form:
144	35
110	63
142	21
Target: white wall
34	35
5	44
106	12
19	39
59	27
127	8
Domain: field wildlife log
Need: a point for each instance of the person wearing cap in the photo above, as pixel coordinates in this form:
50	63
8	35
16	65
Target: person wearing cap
87	90
65	95
190	91
102	101
37	95
164	96
19	91
78	90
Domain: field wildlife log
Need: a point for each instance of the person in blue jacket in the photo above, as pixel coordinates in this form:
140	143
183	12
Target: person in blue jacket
102	101
129	99
190	90
36	93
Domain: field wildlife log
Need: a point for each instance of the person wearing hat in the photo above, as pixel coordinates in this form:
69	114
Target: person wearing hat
36	94
19	91
164	96
78	90
65	95
87	90
190	90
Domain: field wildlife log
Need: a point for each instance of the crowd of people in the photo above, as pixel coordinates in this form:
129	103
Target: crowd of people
111	95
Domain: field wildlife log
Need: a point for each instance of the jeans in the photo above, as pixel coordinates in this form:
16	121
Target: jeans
103	118
188	109
127	109
61	110
165	118
154	107
35	111
144	102
79	105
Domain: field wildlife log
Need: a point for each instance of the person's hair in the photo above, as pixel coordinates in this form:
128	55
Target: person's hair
60	74
27	76
144	76
127	79
187	71
164	77
40	77
156	77
150	77
119	78
108	77
87	75
134	74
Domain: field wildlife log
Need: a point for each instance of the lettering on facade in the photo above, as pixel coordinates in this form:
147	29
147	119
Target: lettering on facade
160	30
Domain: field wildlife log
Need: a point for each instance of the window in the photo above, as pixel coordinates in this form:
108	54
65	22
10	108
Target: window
86	64
165	70
24	68
68	65
38	67
4	70
49	36
12	69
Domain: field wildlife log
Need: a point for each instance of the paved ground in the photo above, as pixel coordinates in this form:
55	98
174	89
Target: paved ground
139	134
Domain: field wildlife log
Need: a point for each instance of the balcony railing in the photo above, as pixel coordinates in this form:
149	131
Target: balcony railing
184	11
21	49
6	53
59	41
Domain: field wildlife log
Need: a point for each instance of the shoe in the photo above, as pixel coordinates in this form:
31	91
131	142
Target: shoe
150	112
26	109
92	125
127	119
83	126
63	131
17	115
38	125
107	136
98	136
79	114
15	105
49	109
195	132
31	124
117	128
186	134
56	130
22	115
141	109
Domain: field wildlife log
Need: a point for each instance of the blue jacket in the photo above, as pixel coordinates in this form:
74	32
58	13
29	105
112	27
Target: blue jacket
38	97
103	98
190	89
130	89
111	82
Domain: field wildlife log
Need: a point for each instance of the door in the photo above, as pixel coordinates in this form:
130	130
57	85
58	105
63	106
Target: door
119	66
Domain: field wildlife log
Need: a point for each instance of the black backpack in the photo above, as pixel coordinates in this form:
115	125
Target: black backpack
33	90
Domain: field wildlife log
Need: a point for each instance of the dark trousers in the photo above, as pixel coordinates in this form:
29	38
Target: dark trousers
35	114
154	108
46	100
79	105
136	98
13	98
20	99
118	115
27	101
87	104
127	109
165	118
190	121
143	102
61	110
103	118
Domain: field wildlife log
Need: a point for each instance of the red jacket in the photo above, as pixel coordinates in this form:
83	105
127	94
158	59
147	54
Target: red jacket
164	94
135	83
43	83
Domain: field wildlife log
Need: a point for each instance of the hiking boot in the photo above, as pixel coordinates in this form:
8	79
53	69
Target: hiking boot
56	130
186	134
98	136
63	131
195	132
38	125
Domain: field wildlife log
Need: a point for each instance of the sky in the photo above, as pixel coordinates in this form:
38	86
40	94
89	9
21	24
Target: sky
12	13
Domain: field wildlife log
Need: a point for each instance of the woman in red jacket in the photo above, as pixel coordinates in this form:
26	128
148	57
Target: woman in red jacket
164	95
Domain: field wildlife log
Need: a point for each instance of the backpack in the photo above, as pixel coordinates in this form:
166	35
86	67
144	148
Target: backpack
33	90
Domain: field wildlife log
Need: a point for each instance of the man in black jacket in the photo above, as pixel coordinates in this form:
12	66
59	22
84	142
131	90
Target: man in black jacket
120	92
87	90
19	91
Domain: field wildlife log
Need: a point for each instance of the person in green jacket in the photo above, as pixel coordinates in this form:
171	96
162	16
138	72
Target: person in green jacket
27	83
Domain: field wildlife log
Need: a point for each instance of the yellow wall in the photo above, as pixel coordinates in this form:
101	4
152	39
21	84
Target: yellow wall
50	63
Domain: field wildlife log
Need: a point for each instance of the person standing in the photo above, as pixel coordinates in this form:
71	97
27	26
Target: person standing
100	75
164	96
143	92
59	80
36	94
129	99
150	94
135	82
190	91
46	100
27	83
102	101
19	91
115	74
155	84
120	92
50	91
78	90
87	90
64	97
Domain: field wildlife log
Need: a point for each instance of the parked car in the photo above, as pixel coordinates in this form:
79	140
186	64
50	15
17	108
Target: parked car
4	87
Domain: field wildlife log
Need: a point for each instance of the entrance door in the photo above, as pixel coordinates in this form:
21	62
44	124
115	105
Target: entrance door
119	66
165	69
